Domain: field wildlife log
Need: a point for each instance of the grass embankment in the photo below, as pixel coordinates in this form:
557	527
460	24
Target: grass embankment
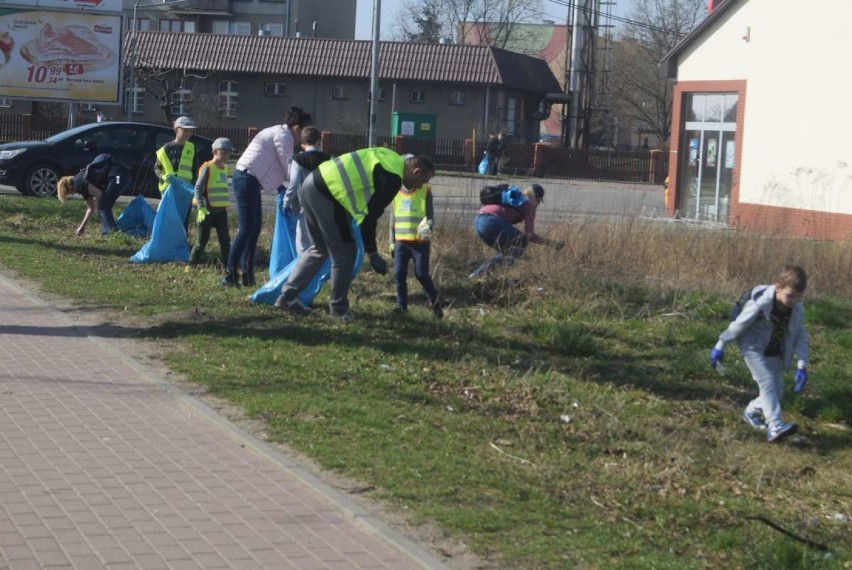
561	416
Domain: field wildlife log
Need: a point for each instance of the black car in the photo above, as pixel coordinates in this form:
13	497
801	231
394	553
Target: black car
34	167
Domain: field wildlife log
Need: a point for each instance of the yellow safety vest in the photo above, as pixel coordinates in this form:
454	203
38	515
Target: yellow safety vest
217	185
184	171
350	177
409	208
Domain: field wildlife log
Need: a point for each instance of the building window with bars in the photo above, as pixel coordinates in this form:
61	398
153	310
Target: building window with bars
456	97
181	98
227	99
338	92
134	99
275	90
416	96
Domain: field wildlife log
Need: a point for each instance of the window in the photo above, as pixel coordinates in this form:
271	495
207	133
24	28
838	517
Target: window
338	92
456	97
227	99
142	24
5	102
272	29
181	98
134	99
177	26
275	90
230	28
416	96
383	94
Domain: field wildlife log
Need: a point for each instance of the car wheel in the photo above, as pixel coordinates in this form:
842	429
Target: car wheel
41	181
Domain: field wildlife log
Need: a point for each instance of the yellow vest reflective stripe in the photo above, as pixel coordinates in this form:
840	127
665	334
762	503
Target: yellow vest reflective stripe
408	210
349	177
217	185
184	171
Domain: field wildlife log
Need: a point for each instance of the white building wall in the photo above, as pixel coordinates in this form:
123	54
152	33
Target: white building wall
797	151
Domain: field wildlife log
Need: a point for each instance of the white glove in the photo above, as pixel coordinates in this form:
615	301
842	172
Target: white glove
424	230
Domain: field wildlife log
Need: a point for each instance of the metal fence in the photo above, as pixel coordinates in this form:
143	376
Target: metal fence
542	160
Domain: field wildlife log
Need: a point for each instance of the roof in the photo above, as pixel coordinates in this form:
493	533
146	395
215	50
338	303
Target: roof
275	55
668	65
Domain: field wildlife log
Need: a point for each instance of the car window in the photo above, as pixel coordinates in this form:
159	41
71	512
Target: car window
162	138
124	138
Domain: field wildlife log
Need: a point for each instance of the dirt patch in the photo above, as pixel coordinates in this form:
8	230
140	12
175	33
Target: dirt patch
124	331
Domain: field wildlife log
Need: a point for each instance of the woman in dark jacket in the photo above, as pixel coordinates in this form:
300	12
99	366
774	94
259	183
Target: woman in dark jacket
102	182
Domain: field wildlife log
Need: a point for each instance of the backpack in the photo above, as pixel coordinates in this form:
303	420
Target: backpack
502	195
744	298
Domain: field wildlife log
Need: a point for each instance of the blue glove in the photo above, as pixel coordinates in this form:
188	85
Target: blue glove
801	380
716	357
379	265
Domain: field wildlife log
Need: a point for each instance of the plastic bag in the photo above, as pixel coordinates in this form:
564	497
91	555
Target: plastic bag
271	290
283	239
168	236
483	165
137	219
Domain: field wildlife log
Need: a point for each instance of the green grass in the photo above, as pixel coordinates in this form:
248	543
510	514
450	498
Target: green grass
560	419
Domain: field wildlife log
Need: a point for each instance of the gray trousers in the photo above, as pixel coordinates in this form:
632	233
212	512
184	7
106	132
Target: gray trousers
768	373
327	240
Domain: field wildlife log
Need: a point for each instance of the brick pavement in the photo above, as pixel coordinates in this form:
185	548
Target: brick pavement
104	466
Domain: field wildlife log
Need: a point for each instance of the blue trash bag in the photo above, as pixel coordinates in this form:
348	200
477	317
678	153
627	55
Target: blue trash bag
283	239
168	236
483	165
137	219
271	290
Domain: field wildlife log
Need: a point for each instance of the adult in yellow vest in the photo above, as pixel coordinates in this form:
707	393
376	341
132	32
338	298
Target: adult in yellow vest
179	156
357	185
211	195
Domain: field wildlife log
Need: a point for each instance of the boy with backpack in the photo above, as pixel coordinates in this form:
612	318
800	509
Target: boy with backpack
502	207
770	329
411	233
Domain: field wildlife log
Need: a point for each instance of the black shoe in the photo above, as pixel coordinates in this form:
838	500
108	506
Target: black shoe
295	306
248	280
229	280
438	309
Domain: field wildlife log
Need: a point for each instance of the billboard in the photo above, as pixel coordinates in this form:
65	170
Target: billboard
67	56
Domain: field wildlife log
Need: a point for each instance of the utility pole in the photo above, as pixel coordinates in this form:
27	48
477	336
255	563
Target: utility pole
581	76
374	74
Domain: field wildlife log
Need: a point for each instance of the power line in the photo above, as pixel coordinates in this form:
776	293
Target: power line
571	5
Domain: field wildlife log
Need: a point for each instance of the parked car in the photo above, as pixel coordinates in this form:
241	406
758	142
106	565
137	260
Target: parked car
34	167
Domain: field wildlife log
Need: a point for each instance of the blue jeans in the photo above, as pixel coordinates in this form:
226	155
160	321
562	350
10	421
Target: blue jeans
117	183
509	242
244	247
419	252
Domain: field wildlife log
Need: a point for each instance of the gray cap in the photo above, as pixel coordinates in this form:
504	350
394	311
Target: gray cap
223	144
184	123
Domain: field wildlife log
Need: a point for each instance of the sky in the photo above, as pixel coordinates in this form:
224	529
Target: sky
391	9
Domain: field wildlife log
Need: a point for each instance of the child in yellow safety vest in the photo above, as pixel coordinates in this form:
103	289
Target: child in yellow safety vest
211	195
411	234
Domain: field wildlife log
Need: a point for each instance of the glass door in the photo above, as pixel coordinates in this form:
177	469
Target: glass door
707	156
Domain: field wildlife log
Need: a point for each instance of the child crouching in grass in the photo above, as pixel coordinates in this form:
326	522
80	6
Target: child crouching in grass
770	329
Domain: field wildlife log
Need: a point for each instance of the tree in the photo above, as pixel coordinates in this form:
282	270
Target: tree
486	22
635	89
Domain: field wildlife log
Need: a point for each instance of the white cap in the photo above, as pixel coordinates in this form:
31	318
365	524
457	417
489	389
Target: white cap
184	123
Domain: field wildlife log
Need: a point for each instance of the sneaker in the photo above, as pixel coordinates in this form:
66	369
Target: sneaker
229	280
295	306
754	419
780	431
438	309
343	317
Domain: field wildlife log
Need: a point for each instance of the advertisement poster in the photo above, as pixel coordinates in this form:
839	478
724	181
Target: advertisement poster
729	154
711	152
60	55
693	152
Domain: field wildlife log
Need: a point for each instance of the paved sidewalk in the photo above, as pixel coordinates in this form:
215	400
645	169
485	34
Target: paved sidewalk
104	466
